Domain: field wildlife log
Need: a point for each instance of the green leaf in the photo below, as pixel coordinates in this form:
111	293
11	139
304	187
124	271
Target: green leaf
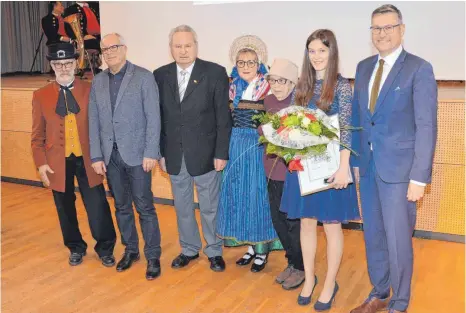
291	120
262	139
315	128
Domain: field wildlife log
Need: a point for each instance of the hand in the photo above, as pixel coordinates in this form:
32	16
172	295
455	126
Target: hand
162	165
148	164
340	179
219	164
65	38
43	169
357	177
99	167
87	37
260	131
415	192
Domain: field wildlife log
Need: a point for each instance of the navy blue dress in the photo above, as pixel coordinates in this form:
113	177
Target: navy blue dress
332	205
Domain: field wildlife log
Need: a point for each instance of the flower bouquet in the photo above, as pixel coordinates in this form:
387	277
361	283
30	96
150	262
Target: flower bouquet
308	141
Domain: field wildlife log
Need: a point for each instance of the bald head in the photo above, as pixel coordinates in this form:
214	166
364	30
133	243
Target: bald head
114	51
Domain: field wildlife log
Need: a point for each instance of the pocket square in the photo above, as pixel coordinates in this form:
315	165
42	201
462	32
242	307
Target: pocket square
397	88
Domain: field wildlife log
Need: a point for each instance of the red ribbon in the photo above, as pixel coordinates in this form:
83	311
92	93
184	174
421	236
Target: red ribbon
282	128
295	165
311	117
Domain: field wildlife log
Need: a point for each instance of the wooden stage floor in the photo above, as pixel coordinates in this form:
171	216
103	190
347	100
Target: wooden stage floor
36	277
447	90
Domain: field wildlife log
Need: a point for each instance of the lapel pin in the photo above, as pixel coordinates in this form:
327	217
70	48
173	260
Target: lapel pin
195	81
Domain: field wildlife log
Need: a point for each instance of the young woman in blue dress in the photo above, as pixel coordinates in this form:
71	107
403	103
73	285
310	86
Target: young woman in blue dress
321	86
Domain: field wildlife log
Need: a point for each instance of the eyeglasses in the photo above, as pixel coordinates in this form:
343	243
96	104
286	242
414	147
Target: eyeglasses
280	81
59	66
242	63
387	29
113	48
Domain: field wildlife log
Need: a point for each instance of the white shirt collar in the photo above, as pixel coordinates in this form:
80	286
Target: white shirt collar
188	69
392	57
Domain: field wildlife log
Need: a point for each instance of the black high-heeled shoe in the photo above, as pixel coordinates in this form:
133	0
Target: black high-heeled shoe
320	306
306	300
244	261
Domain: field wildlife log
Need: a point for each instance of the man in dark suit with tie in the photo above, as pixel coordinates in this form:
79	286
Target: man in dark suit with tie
194	142
395	102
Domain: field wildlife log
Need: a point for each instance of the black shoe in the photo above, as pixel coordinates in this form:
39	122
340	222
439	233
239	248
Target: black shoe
217	264
243	261
153	269
76	258
108	260
183	260
126	261
255	268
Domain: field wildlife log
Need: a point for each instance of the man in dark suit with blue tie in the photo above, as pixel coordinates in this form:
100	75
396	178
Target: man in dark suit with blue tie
395	102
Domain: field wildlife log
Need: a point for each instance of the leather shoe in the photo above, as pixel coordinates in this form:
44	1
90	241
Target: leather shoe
217	264
255	268
108	260
245	261
372	305
153	269
76	258
126	261
183	260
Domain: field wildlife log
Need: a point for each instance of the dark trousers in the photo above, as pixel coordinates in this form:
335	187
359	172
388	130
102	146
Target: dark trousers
97	208
131	183
288	230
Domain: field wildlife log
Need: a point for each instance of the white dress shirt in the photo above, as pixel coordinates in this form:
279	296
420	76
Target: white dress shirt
387	67
188	75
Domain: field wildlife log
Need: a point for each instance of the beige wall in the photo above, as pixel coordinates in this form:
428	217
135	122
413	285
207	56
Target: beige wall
434	30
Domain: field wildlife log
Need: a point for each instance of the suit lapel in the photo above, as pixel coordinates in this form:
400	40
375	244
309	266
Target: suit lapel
106	91
366	78
53	99
172	80
124	83
196	77
389	81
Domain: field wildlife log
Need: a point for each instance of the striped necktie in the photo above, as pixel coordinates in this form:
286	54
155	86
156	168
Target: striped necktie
182	84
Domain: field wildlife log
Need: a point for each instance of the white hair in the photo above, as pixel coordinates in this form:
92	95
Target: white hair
182	29
120	38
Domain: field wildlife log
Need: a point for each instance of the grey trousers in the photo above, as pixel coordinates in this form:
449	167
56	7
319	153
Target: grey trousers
208	191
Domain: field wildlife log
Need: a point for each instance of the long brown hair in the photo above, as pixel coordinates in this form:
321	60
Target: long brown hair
307	80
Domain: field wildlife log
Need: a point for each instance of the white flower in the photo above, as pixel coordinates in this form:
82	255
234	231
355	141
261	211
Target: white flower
305	122
294	134
300	114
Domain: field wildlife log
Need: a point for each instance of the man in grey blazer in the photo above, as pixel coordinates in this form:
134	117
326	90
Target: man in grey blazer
124	131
